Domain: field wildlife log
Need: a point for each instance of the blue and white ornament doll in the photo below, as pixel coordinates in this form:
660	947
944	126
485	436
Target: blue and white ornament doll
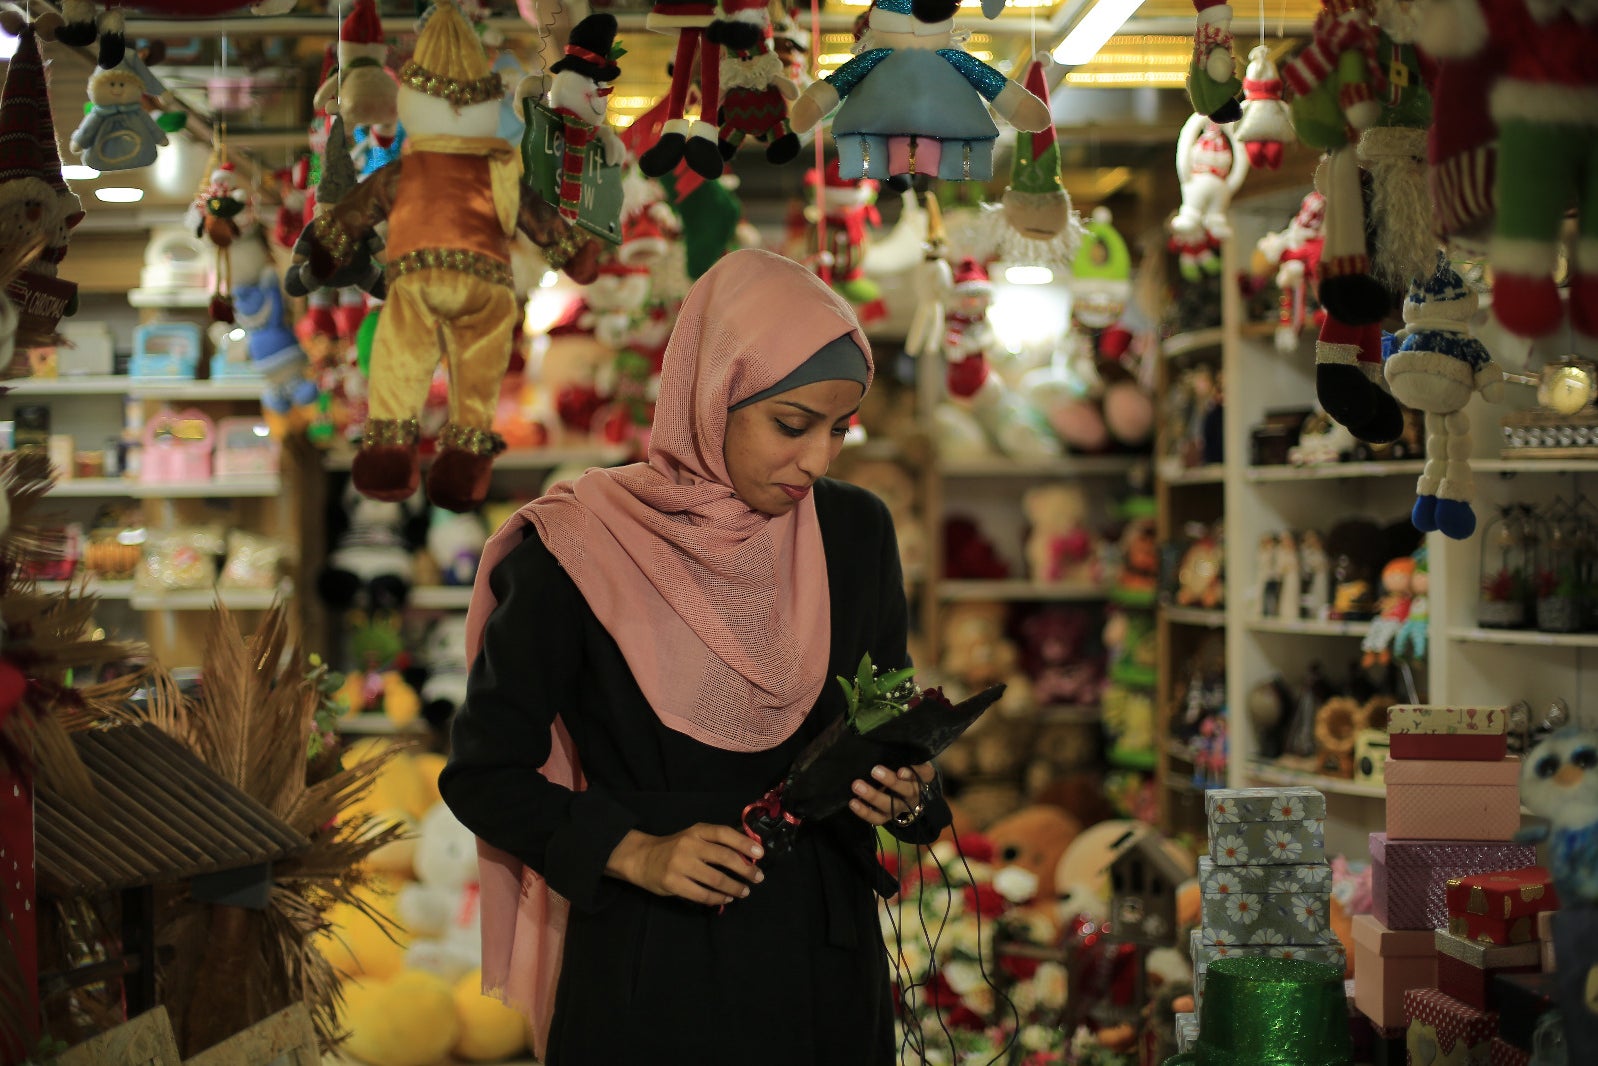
1437	369
913	102
1559	782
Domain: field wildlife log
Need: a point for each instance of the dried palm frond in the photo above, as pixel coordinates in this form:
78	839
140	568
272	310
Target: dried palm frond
253	722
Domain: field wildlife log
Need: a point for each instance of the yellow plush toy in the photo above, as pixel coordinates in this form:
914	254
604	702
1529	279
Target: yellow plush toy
490	1031
357	946
409	1021
452	201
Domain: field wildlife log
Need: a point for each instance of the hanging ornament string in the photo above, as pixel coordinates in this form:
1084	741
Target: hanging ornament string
822	258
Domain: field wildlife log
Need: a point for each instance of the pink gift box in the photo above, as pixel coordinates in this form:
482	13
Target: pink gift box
1452	799
1386	962
1408	877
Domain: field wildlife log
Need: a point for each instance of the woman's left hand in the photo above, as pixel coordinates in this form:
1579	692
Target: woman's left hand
891	794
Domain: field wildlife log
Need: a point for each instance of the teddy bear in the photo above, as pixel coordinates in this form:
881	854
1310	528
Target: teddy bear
1027	847
117	133
1054	654
968	553
439	909
976	652
1059	546
362	90
896	487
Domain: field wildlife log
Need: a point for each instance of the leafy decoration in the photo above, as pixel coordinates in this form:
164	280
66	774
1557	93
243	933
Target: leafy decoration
876	699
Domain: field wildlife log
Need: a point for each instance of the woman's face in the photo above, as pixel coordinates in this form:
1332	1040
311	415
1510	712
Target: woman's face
777	448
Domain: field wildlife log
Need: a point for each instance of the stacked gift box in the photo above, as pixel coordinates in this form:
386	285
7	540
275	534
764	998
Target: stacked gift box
1265	885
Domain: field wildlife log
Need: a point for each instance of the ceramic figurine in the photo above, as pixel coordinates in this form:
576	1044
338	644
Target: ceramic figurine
1314	576
1288	575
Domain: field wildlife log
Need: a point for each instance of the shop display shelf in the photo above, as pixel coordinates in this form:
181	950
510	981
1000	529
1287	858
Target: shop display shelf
1204	617
105	590
883	449
1522	637
205	599
1019	590
1174	473
523	458
217	488
1064	466
1334	471
1270	774
1178	750
440	597
1534	466
196	391
81	385
1309	627
93	487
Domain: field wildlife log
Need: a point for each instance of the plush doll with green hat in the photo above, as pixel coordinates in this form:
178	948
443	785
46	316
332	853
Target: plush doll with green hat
1212	81
1262	1011
1040	229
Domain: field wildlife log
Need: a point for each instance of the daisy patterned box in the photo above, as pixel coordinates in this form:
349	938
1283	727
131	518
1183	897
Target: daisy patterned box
1266	904
1187	1032
1424	732
1266	826
1409	877
1204	950
1442	1029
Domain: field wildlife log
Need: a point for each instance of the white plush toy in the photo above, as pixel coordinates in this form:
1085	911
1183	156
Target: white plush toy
455	541
439	909
1212	169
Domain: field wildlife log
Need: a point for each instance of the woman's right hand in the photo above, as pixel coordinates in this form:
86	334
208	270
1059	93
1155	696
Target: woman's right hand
709	864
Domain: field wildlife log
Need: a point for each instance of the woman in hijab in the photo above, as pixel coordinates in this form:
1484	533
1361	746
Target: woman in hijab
652	646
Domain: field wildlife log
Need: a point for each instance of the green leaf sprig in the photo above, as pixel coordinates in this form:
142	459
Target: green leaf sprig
876	699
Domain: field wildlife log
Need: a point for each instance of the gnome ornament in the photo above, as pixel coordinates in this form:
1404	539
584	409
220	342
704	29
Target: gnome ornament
362	269
913	101
1545	105
1267	125
680	141
1403	241
579	95
363	89
1040	228
755	87
1211	170
1437	369
452	202
1212	81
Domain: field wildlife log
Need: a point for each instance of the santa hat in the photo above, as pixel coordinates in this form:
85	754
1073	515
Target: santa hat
970	277
360	36
1036	169
1441	302
338	168
754	12
449	61
642	241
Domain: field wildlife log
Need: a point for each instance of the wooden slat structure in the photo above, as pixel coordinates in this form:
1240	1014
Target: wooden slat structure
287	1038
146	1040
162	816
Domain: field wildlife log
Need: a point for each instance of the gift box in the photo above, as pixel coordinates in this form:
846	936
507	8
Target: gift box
1473	747
1266	826
1187	1031
1500	1053
1386	962
1453	799
1576	979
1409	877
1425	732
1204	950
1266	904
1500	907
1442	1029
1522	999
1545	936
1465	968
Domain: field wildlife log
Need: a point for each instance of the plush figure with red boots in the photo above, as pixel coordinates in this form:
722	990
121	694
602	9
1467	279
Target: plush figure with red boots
755	86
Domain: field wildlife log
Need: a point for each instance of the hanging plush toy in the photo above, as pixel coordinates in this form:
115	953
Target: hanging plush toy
1546	109
579	94
850	212
362	269
1211	170
452	202
1212	81
275	354
913	100
1039	228
1007	421
220	209
755	87
934	286
117	133
1294	254
697	144
1437	370
1267	126
1393	155
362	90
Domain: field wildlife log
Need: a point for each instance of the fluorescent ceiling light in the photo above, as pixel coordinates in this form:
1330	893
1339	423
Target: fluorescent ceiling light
1093	30
1028	275
79	172
8	45
119	194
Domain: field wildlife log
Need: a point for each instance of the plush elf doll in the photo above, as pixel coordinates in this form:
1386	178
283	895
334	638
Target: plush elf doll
362	89
697	144
452	202
1212	81
118	133
1546	108
755	88
1039	226
1437	370
1211	169
361	269
1267	126
580	95
913	101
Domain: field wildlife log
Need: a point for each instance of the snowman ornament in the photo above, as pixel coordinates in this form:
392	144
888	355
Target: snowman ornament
579	93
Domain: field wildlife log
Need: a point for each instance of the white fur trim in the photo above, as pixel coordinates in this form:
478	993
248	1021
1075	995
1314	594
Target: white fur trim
1544	104
1219	15
1336	354
756	73
1452	28
1434	365
19	189
1392	142
1512	256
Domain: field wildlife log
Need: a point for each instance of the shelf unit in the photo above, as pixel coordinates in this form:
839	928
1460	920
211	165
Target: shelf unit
98	488
1020	591
1333	471
1200	617
440	597
1309	627
183	390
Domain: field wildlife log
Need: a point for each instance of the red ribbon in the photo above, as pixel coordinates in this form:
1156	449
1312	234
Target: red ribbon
579	52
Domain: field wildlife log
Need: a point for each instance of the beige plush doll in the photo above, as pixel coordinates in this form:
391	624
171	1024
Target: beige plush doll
452	201
362	89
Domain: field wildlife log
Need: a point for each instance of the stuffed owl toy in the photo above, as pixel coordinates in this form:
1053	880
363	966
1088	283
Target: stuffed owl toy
1559	782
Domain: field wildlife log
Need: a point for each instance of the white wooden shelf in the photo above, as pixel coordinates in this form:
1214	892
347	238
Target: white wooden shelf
82	385
185	299
523	458
178	389
1269	774
127	488
1064	466
1203	617
1534	466
205	599
440	597
1014	590
1174	473
1335	471
93	487
1308	627
1522	637
105	590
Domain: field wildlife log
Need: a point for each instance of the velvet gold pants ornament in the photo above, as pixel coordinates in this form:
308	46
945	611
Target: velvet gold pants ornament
431	314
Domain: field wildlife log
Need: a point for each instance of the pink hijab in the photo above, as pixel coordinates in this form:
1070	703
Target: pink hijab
721	612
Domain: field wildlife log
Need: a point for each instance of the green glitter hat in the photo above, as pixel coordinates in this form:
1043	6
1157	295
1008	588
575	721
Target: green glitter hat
1261	1011
1037	155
